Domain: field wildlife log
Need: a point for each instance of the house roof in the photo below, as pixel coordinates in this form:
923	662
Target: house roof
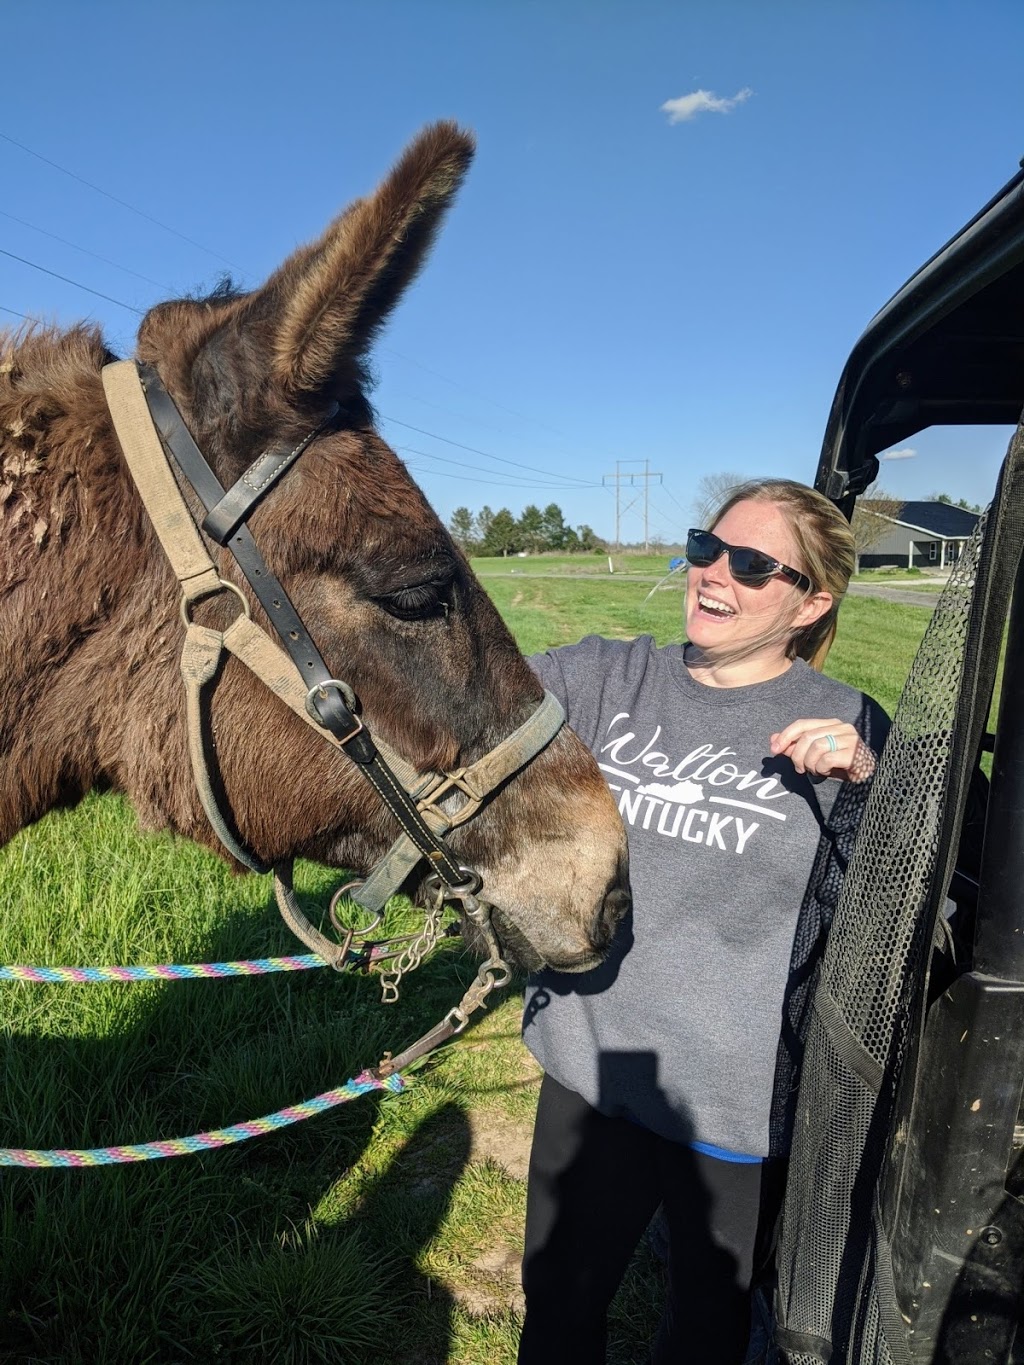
940	518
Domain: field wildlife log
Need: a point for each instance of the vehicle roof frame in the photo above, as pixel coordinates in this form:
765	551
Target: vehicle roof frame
946	349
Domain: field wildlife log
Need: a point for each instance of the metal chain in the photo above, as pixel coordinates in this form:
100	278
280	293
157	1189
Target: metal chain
415	951
493	972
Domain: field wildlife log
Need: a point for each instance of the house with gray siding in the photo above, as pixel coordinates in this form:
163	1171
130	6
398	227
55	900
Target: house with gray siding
923	535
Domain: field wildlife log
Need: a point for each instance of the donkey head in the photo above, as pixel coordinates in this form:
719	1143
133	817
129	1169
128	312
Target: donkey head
383	591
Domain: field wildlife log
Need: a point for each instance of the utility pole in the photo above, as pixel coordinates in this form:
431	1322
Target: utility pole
647	478
633	479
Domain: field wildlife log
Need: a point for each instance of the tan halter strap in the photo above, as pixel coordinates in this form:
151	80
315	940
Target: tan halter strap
414	798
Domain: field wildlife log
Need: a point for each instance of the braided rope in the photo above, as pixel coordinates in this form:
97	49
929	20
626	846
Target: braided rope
169	971
202	1142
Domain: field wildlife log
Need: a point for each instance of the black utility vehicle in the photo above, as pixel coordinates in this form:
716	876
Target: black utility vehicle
903	1234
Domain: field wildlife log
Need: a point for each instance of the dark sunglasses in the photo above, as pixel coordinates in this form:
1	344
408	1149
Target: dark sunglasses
752	567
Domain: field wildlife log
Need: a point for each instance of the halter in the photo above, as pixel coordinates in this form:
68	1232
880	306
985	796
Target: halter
152	433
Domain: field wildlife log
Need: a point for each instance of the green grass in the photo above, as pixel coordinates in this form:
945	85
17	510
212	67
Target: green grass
909	585
889	574
385	1231
629	565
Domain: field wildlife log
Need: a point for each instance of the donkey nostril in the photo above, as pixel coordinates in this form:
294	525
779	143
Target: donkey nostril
615	905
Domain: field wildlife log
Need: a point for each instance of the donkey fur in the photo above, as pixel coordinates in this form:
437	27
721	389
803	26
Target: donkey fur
89	628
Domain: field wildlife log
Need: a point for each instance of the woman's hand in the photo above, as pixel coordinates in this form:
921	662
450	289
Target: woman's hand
825	748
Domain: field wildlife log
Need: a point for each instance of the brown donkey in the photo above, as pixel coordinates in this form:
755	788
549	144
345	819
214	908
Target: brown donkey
90	632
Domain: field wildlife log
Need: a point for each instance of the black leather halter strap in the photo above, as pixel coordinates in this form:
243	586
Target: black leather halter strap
243	495
326	701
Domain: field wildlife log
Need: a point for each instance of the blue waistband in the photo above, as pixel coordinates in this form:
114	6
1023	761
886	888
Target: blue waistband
723	1154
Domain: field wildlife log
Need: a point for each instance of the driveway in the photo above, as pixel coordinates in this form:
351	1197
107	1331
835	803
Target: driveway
926	596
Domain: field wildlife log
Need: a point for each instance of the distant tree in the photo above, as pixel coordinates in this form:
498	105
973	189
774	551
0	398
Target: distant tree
589	541
556	533
483	525
872	517
960	502
503	535
500	533
462	529
531	529
712	491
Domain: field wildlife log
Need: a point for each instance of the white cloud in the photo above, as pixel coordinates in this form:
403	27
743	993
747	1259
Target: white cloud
905	453
686	107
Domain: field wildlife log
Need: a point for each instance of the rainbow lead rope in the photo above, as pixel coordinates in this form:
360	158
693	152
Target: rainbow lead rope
362	1084
169	971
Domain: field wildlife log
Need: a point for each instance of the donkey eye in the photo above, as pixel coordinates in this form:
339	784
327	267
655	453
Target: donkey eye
418	602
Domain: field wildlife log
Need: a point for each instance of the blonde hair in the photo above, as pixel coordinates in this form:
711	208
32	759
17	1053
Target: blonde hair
826	547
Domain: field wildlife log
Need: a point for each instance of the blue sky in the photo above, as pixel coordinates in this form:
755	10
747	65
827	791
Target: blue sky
617	282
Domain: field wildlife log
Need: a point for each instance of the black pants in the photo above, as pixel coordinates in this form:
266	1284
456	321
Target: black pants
594	1185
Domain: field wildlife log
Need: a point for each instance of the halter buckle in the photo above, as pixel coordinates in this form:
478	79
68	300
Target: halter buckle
349	699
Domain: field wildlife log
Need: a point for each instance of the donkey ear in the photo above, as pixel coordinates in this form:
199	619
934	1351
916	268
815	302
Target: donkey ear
335	295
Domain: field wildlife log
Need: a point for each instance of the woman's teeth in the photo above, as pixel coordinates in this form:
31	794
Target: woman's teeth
716	608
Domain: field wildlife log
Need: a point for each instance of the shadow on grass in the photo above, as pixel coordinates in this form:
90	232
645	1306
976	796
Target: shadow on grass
298	1246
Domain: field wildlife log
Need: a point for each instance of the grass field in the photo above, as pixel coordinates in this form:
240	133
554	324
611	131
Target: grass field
386	1231
577	566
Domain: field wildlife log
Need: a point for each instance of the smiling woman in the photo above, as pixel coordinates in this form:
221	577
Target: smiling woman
739	771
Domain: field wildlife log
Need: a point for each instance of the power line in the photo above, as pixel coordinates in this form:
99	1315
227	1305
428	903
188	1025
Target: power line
489	483
539	445
192	242
521	484
65	278
209	250
123	202
439	473
569	484
433	435
571	480
670	494
657	512
524	483
389	350
473	450
619	479
83	249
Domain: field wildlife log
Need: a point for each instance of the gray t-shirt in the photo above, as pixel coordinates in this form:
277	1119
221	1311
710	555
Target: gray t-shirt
678	1029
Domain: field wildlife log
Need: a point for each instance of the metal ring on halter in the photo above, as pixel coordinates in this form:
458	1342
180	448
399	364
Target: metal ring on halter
348	696
469	887
186	603
344	890
830	740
